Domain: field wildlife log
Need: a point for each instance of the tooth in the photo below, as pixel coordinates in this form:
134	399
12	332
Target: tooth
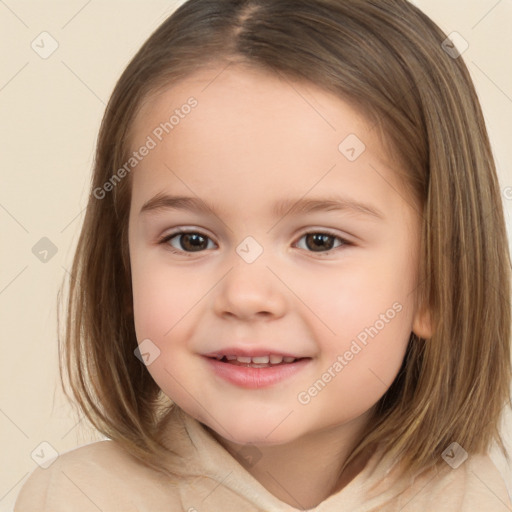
260	360
230	358
276	359
243	359
218	357
288	359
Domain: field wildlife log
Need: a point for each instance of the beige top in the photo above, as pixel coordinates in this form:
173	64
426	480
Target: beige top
101	476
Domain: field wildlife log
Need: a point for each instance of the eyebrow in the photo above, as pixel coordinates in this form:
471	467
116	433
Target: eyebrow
280	208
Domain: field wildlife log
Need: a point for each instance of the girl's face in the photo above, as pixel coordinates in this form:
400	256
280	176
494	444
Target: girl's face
308	249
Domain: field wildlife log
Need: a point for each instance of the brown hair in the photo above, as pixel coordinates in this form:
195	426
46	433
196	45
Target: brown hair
386	58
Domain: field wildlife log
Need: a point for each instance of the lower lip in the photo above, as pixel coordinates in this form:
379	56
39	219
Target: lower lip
254	378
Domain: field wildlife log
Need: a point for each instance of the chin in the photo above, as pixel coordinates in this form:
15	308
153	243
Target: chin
255	431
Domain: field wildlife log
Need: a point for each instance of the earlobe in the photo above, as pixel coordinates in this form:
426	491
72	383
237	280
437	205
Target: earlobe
422	325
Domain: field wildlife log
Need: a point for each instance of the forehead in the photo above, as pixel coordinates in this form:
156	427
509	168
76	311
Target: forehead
255	96
253	133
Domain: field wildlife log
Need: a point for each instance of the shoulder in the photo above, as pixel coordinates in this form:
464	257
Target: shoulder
485	484
474	485
100	475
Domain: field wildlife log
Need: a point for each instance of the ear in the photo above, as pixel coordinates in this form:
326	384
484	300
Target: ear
422	323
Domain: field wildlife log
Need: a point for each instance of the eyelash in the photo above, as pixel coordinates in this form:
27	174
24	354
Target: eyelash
167	238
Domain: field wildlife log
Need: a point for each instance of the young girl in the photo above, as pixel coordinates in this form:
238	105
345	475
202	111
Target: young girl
291	288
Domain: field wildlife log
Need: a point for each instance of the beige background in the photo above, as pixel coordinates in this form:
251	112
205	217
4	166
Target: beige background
50	114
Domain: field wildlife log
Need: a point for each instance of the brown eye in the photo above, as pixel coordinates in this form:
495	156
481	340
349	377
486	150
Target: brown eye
187	242
322	242
193	241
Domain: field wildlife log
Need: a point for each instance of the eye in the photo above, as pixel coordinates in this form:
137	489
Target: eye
186	241
322	242
181	242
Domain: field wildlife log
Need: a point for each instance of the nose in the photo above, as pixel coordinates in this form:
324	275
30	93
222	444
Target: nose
250	291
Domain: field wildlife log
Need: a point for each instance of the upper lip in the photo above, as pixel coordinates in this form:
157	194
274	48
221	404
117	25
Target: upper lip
247	352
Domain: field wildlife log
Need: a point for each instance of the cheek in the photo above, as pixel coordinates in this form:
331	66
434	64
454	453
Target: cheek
359	365
162	296
367	313
364	287
163	303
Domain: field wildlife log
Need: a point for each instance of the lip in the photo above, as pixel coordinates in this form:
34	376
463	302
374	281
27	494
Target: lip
244	351
256	378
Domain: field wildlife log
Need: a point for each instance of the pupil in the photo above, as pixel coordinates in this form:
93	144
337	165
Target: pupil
195	240
319	239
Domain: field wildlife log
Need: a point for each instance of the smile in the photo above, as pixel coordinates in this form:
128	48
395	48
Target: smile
257	361
256	371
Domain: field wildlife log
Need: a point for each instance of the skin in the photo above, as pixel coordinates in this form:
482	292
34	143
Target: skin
254	139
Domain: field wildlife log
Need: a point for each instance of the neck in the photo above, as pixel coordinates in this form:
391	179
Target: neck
307	470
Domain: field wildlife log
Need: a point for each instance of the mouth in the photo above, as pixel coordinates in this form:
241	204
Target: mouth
256	371
268	361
